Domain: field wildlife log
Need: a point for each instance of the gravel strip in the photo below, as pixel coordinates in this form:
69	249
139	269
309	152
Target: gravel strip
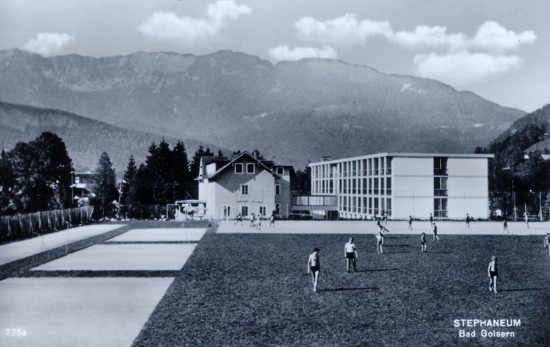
89	273
149	242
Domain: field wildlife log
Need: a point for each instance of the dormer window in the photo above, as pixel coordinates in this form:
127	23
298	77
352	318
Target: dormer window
238	168
250	168
280	171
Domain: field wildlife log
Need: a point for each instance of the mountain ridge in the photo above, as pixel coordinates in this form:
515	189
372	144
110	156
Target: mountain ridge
297	111
84	138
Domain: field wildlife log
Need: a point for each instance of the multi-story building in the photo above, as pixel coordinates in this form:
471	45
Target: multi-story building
405	184
244	184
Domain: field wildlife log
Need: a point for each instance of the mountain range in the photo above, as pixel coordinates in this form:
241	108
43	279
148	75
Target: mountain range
295	111
529	133
84	138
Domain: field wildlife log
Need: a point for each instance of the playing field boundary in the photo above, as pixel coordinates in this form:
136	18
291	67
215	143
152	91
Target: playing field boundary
395	227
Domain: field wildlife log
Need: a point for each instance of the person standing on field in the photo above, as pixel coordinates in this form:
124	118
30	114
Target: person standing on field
410	223
435	238
423	243
506	226
272	220
252	221
547	244
350	252
431	220
492	271
380	242
259	224
314	267
239	219
467	221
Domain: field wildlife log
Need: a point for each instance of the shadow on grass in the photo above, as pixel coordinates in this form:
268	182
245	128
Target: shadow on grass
347	289
439	252
376	270
522	290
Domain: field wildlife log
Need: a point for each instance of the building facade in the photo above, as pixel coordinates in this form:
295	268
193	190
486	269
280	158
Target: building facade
405	184
244	185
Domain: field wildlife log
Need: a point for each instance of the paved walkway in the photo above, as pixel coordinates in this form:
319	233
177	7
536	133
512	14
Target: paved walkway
396	227
98	296
22	249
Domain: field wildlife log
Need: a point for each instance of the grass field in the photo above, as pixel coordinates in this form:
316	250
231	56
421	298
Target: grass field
253	290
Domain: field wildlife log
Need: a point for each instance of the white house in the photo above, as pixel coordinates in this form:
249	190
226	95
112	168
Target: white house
244	184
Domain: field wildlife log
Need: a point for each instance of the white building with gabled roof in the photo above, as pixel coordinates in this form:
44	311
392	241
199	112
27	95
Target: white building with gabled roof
244	184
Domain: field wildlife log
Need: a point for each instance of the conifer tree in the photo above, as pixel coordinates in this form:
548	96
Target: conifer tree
128	184
184	180
105	185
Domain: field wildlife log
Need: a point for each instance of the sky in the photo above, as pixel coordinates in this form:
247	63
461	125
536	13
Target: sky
498	49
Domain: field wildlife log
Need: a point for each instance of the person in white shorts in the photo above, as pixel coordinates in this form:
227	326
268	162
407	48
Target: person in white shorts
350	252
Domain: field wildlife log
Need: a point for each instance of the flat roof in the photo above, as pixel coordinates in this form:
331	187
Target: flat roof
407	155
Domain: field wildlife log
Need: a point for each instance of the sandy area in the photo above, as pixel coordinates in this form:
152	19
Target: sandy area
124	257
21	249
151	235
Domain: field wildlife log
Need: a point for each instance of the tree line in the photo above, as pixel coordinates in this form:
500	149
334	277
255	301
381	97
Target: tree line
518	179
37	176
166	176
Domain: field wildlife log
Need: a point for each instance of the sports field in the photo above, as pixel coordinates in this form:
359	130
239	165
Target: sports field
158	284
252	288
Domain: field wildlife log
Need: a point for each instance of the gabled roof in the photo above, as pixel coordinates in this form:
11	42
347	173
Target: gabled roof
233	160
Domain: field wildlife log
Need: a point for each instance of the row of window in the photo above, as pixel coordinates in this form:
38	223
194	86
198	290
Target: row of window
372	206
245	189
366	186
364	167
375	186
365	191
372	166
356	173
251	169
366	173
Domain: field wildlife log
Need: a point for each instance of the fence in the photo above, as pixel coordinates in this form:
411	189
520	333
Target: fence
33	224
145	212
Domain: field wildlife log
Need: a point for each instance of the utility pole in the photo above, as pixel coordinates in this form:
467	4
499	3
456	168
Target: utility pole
515	208
540	206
